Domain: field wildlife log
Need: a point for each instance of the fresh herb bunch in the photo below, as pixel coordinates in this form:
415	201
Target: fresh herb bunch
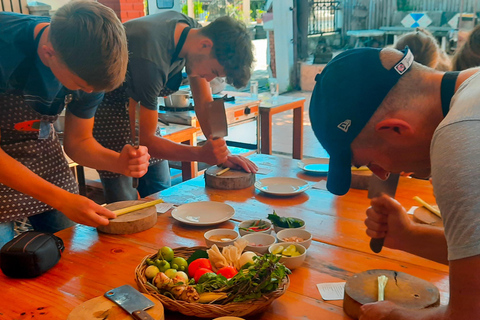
256	226
253	281
284	222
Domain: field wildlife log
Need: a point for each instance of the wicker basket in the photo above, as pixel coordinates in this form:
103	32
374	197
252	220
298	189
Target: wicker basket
237	309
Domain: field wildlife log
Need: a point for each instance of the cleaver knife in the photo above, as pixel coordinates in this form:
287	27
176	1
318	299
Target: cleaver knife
132	301
376	187
217	119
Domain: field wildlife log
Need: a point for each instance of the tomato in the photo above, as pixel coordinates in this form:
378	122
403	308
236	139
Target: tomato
227	272
197	264
200	272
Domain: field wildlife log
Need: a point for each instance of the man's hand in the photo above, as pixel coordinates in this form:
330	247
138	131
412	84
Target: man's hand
134	162
377	310
214	152
386	218
240	162
83	210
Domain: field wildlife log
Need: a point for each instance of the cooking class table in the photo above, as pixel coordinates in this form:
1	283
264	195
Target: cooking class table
94	263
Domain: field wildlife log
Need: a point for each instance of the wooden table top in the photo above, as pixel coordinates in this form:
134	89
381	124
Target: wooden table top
94	263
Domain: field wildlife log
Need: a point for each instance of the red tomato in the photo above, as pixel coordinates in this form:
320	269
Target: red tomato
227	272
200	272
197	264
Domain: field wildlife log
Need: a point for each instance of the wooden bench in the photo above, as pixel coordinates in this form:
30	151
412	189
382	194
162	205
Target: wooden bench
18	6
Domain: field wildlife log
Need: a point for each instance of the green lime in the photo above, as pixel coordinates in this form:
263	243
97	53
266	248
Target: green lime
151	272
166	253
163	265
179	262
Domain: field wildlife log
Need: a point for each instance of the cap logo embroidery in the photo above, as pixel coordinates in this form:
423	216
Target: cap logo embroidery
403	65
344	125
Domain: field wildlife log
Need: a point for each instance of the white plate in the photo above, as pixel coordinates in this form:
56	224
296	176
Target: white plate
315	165
282	186
203	213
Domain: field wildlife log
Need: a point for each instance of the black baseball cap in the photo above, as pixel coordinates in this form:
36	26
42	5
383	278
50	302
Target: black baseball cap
346	95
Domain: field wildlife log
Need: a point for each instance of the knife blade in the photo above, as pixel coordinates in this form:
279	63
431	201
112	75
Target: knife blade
136	137
131	300
375	188
217	119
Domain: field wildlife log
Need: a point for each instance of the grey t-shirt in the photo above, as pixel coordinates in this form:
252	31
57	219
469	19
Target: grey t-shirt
455	160
151	46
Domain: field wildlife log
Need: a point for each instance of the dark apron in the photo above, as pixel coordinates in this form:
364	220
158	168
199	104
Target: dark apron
42	156
29	137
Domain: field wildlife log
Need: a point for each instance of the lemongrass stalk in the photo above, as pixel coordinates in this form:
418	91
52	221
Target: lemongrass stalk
429	207
136	207
382	282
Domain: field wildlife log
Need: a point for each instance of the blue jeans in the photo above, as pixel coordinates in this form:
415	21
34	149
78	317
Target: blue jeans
49	221
156	179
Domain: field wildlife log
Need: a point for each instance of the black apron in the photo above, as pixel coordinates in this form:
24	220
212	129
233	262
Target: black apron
29	137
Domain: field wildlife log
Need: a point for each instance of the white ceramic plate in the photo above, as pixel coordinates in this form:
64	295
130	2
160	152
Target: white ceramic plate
282	186
203	213
315	165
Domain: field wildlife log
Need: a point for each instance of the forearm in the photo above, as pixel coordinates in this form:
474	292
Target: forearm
426	241
438	313
17	176
162	148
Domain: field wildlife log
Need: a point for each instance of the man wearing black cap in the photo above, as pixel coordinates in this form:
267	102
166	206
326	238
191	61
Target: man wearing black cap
401	116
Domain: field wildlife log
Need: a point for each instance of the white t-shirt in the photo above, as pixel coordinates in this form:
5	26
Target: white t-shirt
455	160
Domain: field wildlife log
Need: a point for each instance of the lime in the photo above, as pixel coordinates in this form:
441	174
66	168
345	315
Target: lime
170	273
296	254
179	263
277	250
290	250
166	253
151	272
162	265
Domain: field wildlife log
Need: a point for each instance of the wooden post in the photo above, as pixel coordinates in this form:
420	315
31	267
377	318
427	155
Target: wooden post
191	12
246	11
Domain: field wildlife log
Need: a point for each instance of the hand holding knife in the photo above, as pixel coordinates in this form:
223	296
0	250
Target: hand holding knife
136	137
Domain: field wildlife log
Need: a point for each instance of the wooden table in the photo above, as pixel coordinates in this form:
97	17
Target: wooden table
94	263
275	105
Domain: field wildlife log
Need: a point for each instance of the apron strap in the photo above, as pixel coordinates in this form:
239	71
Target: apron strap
448	90
180	43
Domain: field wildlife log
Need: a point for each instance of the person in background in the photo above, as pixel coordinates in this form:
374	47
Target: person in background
468	55
160	46
402	116
425	49
46	65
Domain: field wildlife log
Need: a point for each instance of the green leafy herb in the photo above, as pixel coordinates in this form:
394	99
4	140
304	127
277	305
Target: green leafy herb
284	222
197	255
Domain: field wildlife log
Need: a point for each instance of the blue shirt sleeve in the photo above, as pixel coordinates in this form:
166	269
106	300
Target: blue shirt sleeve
84	105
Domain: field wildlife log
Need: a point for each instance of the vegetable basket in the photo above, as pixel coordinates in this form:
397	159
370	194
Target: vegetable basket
238	309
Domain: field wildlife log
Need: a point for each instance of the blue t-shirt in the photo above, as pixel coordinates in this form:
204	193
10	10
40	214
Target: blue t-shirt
22	71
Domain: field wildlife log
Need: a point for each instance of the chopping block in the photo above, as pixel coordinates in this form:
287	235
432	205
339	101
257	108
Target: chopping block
133	222
402	289
230	180
103	308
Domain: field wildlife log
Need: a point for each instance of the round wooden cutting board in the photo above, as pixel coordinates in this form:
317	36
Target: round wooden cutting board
132	222
403	289
100	308
423	215
230	180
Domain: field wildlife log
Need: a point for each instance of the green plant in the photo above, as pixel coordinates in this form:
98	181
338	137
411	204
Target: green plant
197	8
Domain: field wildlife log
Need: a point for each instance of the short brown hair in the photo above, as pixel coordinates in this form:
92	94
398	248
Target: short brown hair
232	47
91	41
468	56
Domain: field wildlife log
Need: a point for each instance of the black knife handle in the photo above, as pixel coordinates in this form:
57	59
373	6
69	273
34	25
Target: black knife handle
135	183
376	244
141	315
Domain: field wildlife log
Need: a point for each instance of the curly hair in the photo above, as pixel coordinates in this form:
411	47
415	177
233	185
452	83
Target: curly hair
232	47
91	41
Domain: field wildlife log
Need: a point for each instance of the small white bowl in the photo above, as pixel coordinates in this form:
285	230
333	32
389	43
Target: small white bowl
230	233
296	232
248	223
262	242
278	229
291	262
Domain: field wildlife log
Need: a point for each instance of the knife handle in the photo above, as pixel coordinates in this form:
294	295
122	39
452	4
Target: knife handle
135	183
376	244
141	315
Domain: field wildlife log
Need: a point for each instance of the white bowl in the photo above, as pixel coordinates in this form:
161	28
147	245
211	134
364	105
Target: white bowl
291	262
296	232
262	242
230	233
248	223
278	229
